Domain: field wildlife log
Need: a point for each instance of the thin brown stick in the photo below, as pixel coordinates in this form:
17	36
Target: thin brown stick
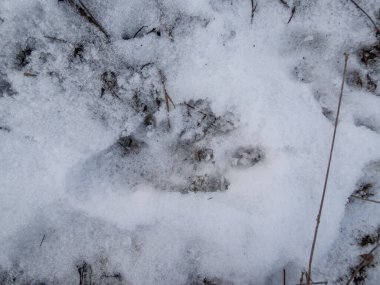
327	173
365	199
284	276
368	16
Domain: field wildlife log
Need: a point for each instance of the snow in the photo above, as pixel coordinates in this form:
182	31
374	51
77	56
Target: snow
159	197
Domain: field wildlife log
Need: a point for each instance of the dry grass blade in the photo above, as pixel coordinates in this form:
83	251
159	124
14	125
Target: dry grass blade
82	10
308	277
368	16
365	199
167	97
367	259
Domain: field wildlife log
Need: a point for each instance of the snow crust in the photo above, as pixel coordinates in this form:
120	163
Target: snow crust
71	191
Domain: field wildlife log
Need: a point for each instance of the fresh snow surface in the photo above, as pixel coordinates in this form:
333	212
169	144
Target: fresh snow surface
225	187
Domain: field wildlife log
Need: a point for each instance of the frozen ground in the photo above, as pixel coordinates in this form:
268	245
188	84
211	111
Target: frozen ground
186	143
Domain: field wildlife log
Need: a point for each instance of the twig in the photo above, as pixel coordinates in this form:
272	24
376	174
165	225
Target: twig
43	238
365	199
368	16
292	14
253	9
154	30
188	105
284	276
145	65
367	259
327	172
139	30
283	2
